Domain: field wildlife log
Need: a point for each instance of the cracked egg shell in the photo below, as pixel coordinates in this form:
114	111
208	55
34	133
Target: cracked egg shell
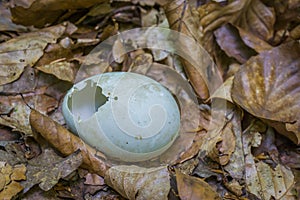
127	116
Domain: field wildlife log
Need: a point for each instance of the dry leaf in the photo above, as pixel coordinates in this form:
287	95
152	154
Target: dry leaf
25	50
18	119
188	25
192	188
62	70
66	142
229	40
251	15
262	180
258	19
5	20
224	91
139	183
253	41
25	83
41	12
219	142
48	168
9	187
268	87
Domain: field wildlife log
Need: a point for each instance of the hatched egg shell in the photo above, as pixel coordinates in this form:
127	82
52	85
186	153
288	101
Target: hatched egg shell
127	116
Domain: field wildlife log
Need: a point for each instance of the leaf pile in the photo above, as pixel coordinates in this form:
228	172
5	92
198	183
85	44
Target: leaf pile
246	145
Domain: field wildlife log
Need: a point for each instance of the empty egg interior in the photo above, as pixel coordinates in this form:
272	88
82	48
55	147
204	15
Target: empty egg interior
85	100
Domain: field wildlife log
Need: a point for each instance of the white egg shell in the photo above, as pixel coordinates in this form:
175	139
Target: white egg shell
127	116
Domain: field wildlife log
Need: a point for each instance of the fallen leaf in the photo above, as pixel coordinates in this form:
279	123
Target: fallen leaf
251	15
25	83
253	41
11	190
9	175
257	19
5	20
262	180
25	50
268	87
18	119
93	179
62	70
139	183
48	168
66	142
188	25
224	91
192	188
219	142
41	12
230	41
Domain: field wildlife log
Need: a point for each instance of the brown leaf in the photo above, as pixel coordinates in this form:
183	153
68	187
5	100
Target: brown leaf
257	19
253	41
19	117
41	12
192	188
66	142
5	20
48	168
268	87
181	18
9	187
139	183
261	179
62	70
25	83
229	40
25	50
251	15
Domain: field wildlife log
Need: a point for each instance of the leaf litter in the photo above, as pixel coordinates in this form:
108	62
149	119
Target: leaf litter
255	45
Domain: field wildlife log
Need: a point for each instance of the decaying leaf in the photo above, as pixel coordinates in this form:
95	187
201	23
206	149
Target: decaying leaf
66	142
220	142
18	119
181	18
261	179
229	40
62	70
224	91
41	12
139	183
25	50
9	177
5	20
192	188
48	168
251	15
268	87
253	41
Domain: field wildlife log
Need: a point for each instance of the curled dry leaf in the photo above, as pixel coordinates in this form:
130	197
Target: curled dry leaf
268	87
67	143
25	50
139	183
192	188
